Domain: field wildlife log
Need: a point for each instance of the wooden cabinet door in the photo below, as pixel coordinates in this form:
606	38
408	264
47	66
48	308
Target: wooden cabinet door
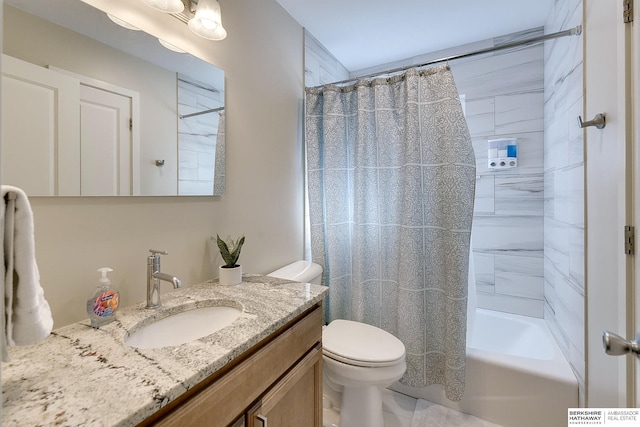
295	400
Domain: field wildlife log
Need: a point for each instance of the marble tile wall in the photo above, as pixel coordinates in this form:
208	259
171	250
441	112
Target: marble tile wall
320	66
197	137
564	187
504	99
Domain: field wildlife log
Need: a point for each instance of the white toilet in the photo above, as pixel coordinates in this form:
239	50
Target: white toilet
360	360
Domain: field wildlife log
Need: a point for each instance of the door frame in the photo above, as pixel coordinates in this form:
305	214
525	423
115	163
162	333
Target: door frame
610	179
633	321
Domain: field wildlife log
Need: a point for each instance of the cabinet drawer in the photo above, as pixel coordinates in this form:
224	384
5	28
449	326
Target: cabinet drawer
228	397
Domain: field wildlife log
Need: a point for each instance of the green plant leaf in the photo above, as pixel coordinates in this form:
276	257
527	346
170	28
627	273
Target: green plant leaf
236	250
230	255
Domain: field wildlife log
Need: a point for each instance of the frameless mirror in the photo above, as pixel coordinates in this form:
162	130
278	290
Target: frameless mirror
90	108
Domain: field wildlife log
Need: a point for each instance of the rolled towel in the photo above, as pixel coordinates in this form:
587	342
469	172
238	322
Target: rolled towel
27	315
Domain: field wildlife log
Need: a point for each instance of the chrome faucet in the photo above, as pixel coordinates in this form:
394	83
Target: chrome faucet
154	276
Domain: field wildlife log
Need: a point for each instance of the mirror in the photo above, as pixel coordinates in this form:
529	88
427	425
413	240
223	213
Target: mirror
90	108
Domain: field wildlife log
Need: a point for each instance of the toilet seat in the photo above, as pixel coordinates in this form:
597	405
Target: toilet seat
359	344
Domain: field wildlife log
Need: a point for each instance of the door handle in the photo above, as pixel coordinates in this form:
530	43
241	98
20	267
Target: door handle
615	345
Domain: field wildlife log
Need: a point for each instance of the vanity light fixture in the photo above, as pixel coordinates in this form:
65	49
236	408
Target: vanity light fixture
169	6
170	46
207	21
203	17
122	23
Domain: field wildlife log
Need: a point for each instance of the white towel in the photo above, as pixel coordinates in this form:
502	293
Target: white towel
27	315
429	414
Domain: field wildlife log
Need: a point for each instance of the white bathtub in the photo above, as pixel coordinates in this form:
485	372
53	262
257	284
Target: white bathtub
516	374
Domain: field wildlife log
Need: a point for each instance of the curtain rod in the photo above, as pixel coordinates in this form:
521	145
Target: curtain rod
212	110
576	31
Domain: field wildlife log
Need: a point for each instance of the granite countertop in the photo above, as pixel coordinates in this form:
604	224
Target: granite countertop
80	376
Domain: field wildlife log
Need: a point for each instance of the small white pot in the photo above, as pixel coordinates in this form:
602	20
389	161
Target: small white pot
230	276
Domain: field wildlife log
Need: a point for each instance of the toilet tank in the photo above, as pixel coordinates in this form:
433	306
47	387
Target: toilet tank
300	271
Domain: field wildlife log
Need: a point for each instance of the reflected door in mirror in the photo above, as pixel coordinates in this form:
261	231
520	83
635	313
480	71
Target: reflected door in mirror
40	129
66	137
80	41
105	143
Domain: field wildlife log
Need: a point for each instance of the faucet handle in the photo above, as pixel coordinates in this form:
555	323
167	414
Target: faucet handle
157	252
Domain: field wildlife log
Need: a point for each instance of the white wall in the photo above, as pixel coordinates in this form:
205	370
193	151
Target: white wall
262	59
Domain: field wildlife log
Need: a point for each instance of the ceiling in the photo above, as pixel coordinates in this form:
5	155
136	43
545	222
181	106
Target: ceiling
366	33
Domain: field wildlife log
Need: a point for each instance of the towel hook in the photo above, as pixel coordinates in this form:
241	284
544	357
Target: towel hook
599	121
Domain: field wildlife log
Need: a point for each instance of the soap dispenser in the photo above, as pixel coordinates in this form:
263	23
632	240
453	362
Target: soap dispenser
103	304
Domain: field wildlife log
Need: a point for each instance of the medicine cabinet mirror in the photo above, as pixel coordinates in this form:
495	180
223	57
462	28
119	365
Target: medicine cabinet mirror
90	108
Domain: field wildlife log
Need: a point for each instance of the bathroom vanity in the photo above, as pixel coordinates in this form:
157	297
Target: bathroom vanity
264	367
284	378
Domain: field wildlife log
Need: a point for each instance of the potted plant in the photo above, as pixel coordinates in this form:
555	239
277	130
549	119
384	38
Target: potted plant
231	272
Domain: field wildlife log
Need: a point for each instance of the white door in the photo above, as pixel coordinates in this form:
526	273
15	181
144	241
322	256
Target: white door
635	45
40	129
609	165
105	143
110	137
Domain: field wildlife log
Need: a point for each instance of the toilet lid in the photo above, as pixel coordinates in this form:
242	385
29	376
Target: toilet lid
360	344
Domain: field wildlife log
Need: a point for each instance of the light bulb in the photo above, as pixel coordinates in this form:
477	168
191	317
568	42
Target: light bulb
207	21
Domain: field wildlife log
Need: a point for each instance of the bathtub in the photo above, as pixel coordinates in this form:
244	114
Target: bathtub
516	375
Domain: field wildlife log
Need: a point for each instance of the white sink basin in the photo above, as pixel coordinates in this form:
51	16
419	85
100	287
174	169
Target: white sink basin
183	327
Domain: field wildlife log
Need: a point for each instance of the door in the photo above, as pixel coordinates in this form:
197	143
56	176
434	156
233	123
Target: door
295	400
40	113
609	165
105	143
110	137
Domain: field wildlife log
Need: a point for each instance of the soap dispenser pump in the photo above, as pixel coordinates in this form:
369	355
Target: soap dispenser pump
103	303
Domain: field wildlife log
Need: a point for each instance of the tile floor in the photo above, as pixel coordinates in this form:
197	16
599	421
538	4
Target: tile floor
397	411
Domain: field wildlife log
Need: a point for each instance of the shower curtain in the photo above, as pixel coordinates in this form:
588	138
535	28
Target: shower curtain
391	182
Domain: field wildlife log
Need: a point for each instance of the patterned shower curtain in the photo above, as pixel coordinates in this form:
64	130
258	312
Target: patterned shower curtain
391	177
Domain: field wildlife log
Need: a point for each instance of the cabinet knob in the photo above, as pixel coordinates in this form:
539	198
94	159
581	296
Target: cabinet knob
263	419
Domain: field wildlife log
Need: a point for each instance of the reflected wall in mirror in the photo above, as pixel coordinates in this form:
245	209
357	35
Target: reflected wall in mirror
90	108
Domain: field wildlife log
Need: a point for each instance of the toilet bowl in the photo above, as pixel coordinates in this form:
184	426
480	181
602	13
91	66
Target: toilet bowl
359	360
362	360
